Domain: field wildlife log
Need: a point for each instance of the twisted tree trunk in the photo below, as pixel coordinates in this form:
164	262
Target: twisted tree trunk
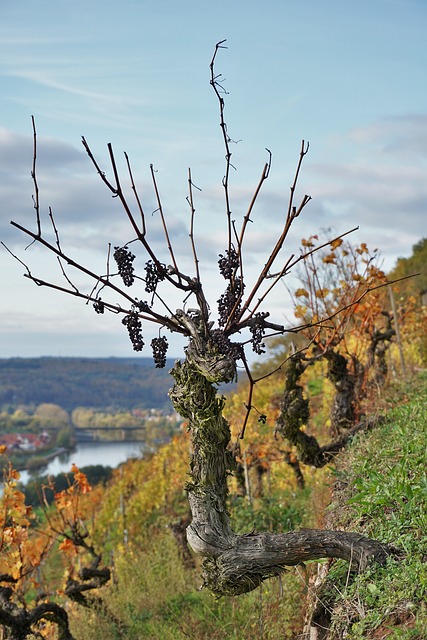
19	621
295	415
235	564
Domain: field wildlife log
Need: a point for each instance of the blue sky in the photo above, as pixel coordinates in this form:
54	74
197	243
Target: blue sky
349	77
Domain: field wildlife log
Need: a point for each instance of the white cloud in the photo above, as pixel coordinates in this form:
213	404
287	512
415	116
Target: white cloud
402	136
382	188
379	192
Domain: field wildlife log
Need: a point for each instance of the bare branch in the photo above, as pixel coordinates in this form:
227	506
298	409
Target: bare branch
247	218
248	405
140	233
159	203
193	211
16	258
218	89
138	201
292	213
34	178
55	229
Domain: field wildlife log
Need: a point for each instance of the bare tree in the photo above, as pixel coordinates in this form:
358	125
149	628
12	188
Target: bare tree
233	564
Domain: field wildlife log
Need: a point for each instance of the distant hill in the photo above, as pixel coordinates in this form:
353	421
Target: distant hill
90	382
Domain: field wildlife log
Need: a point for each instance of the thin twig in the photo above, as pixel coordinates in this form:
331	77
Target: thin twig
292	213
218	89
247	218
34	178
191	234
137	198
140	234
165	229
240	240
106	282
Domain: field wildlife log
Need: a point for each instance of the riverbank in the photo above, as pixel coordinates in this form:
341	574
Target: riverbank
31	462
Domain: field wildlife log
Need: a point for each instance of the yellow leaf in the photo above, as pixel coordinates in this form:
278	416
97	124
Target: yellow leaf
301	293
309	243
300	311
336	243
322	293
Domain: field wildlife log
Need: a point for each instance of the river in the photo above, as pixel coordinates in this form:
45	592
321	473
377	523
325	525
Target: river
109	454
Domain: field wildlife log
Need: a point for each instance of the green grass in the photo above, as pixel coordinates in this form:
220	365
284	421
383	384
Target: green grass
384	497
153	596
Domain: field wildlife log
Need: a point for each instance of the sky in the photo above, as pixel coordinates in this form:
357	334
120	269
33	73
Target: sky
349	77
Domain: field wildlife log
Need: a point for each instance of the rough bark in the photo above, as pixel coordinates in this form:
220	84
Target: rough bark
343	410
19	621
377	349
293	462
235	564
295	415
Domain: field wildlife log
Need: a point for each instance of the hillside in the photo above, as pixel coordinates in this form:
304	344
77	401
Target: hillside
72	382
381	491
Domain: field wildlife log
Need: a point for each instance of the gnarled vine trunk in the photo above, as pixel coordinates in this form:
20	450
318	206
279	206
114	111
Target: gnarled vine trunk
18	621
235	564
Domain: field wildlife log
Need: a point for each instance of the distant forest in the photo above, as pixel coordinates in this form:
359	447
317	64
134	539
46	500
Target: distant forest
117	383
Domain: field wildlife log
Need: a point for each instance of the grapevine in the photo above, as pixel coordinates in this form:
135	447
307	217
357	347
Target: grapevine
224	344
257	330
134	327
160	348
228	263
229	301
124	259
154	273
99	306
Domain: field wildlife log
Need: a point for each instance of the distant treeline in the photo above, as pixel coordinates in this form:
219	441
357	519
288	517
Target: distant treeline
35	495
90	382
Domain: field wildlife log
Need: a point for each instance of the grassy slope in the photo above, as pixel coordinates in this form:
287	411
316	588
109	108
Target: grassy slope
383	493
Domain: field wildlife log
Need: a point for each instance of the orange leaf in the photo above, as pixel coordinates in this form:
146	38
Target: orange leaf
336	243
67	546
330	258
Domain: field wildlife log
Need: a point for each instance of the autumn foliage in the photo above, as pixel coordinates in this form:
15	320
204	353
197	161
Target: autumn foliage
28	601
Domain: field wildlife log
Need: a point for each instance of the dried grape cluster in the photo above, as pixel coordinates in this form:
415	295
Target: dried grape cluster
224	344
160	348
257	329
124	259
99	306
230	300
142	305
134	327
154	273
228	263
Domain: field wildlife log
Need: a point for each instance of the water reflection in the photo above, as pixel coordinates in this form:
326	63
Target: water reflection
109	454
